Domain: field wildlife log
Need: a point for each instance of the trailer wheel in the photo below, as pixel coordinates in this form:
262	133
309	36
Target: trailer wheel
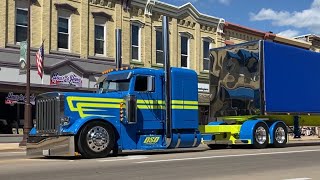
280	136
96	140
260	135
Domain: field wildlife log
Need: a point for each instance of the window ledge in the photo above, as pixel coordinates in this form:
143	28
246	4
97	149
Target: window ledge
101	58
64	53
203	77
136	62
17	46
157	65
204	72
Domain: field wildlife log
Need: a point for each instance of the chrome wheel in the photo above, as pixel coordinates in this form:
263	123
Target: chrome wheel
97	139
261	135
280	135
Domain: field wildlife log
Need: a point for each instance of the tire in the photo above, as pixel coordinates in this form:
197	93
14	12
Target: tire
99	143
280	136
260	136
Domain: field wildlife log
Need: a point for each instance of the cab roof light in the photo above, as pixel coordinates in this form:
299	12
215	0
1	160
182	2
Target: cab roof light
117	69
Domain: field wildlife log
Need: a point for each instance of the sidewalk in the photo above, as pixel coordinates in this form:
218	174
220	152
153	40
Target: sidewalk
303	141
7	147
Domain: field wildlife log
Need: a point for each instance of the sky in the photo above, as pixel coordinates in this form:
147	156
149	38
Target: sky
288	18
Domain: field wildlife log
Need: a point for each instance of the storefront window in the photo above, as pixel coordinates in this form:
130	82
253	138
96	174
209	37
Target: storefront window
12	112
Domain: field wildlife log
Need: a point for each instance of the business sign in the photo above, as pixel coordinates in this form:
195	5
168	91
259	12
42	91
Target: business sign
18	99
202	87
66	80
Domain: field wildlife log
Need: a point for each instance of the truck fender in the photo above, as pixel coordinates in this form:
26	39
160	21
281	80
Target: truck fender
246	130
76	126
272	126
33	131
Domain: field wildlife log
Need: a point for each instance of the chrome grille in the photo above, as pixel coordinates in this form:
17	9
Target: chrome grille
48	113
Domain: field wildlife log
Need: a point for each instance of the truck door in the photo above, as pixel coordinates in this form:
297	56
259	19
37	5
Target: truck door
147	89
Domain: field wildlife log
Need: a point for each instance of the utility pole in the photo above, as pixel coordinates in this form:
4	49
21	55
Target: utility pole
27	107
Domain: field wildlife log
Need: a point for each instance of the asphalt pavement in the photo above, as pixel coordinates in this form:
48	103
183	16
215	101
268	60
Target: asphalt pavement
294	163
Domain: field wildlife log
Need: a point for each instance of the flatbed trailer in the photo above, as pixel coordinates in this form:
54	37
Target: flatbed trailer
251	85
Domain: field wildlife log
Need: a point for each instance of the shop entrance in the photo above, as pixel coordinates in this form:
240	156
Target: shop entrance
203	115
12	112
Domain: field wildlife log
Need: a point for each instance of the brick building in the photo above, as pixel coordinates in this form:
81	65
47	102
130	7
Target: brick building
311	38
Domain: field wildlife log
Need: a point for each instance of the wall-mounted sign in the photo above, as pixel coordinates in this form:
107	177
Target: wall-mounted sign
66	80
202	87
18	99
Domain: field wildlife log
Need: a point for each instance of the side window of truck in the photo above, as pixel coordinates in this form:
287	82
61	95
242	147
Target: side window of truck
144	84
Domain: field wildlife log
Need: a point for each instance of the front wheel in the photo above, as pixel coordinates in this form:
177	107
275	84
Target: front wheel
96	140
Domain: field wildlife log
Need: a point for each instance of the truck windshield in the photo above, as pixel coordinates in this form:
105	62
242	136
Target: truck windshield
114	85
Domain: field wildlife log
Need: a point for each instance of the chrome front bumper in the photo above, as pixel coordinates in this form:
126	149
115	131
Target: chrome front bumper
50	146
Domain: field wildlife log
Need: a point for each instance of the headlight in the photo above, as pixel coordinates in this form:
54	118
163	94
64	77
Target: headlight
65	121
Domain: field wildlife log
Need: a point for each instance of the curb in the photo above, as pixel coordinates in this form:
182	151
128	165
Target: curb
301	143
13	150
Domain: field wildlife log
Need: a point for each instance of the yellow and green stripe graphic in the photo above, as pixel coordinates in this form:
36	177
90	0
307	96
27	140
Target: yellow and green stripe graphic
83	105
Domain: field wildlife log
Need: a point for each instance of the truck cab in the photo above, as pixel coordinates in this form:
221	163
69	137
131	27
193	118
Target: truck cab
126	112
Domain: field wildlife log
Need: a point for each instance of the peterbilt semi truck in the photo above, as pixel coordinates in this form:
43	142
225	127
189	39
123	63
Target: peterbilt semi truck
254	88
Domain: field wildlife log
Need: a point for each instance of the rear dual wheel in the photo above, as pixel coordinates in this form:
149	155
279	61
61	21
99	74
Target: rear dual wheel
261	135
280	136
96	140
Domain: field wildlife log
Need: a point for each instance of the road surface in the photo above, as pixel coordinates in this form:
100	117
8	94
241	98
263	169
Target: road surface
294	163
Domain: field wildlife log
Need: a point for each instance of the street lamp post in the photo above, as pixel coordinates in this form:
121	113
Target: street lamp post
27	107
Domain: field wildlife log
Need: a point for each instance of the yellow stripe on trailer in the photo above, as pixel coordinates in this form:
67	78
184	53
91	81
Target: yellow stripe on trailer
224	134
207	129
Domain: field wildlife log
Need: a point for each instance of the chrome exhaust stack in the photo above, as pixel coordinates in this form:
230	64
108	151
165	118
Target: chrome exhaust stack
165	42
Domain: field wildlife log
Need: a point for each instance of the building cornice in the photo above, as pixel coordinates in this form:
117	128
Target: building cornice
267	35
65	6
292	42
247	30
101	14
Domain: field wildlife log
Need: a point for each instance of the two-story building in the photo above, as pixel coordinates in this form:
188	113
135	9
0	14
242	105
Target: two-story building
78	38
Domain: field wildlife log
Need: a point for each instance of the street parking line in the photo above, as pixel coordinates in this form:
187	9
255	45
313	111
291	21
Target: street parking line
226	156
299	179
124	159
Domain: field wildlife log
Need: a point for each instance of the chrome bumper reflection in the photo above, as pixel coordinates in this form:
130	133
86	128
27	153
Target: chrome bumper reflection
50	146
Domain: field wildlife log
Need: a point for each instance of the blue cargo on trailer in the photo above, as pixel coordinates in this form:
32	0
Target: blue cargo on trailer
291	75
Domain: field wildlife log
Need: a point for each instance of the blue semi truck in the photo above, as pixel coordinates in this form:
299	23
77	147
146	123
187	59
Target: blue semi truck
252	85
